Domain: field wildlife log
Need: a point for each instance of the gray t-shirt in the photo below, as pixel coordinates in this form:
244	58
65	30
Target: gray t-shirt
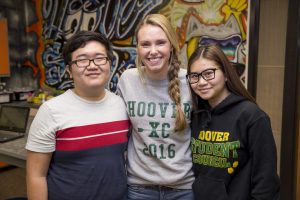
156	154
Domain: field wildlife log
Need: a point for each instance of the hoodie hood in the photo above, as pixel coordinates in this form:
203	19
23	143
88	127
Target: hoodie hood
205	113
229	101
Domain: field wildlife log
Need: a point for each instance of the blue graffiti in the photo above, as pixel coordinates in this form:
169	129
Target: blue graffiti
54	65
116	19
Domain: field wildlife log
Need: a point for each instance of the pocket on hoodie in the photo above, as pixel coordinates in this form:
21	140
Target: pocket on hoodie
207	188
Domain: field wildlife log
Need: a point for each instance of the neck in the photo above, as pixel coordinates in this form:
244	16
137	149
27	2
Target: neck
214	102
94	95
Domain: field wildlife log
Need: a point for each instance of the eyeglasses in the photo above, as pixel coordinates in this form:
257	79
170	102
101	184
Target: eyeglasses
83	63
207	75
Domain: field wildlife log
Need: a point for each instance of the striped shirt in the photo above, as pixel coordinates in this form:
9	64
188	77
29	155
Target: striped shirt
88	141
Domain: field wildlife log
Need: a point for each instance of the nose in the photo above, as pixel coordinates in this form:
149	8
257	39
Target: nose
153	49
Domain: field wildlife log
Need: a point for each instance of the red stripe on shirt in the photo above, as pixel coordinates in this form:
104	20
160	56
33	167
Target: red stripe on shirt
92	129
92	136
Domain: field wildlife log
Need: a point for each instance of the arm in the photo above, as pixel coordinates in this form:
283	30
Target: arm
36	175
264	179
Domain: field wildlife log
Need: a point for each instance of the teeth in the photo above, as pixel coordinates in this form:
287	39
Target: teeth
154	59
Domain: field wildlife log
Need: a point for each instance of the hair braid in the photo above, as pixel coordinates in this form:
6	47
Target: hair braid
174	92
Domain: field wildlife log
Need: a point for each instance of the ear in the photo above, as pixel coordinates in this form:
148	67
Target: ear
68	68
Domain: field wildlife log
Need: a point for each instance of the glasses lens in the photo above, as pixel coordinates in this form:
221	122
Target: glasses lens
83	62
208	74
193	78
100	61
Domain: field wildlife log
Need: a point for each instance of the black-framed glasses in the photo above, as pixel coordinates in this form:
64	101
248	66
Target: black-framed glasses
83	63
207	75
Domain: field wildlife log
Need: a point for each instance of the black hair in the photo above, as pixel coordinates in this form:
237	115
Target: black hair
80	39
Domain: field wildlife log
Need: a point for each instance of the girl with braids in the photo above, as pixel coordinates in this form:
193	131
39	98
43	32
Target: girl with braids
159	106
233	148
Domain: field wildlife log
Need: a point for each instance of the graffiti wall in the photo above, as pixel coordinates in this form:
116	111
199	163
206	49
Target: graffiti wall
197	22
21	77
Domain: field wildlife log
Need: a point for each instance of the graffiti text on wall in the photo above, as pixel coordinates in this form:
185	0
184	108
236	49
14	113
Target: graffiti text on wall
196	23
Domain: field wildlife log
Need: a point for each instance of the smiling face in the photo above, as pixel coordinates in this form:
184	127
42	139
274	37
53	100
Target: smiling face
214	90
154	49
90	81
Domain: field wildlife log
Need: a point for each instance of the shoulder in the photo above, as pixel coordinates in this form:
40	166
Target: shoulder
60	99
58	103
239	103
250	107
182	72
240	107
132	72
182	77
115	106
113	98
130	80
252	111
115	101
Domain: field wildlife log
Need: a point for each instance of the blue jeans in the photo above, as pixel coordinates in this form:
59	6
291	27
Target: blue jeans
138	192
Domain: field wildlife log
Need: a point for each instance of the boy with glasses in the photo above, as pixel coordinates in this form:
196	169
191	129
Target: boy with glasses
77	140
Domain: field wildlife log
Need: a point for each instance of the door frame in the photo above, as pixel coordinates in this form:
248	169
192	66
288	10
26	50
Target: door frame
289	134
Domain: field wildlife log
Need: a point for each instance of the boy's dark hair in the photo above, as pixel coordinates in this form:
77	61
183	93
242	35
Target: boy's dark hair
80	39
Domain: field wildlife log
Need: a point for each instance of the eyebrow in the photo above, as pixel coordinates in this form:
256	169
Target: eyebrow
156	40
211	68
91	55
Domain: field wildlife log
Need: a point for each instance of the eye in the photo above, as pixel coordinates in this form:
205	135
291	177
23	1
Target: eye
82	60
208	73
161	42
100	59
144	44
194	75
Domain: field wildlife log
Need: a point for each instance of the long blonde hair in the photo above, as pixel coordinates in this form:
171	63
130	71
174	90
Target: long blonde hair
174	65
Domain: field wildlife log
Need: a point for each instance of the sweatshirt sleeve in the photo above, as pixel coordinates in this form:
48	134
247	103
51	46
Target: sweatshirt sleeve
265	182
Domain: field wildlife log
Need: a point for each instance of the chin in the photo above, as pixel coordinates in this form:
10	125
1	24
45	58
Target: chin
97	85
205	97
154	68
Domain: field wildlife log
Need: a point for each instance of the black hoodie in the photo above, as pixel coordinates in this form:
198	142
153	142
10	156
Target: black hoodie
234	153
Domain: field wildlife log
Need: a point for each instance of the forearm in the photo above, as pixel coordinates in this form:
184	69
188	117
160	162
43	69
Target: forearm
37	188
36	175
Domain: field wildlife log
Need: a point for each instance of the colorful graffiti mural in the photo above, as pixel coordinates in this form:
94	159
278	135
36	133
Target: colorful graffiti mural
197	22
